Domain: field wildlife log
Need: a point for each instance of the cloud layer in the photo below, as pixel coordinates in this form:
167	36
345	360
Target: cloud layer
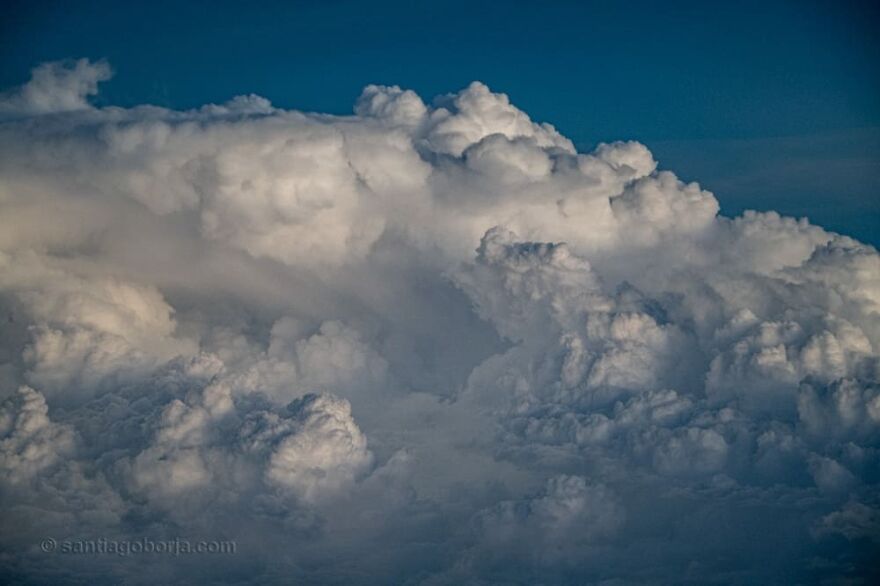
425	343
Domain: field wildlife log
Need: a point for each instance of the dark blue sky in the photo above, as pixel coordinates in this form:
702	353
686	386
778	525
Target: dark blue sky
772	105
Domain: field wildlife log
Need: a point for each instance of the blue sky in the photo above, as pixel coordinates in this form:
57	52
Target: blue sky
771	105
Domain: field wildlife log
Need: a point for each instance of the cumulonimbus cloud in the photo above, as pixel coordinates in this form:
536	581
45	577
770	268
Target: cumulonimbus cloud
421	343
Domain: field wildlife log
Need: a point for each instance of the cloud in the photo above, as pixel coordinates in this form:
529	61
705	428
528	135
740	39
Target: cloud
429	342
57	87
31	442
554	531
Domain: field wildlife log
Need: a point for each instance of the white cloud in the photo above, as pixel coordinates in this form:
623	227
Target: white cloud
30	442
325	452
433	341
57	87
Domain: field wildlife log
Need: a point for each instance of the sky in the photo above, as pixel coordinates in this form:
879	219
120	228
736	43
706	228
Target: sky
340	293
734	95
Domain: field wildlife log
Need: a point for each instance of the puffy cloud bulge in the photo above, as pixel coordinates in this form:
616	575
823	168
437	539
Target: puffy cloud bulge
424	343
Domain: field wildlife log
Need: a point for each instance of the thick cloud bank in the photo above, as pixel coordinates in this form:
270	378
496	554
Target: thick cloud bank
419	344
